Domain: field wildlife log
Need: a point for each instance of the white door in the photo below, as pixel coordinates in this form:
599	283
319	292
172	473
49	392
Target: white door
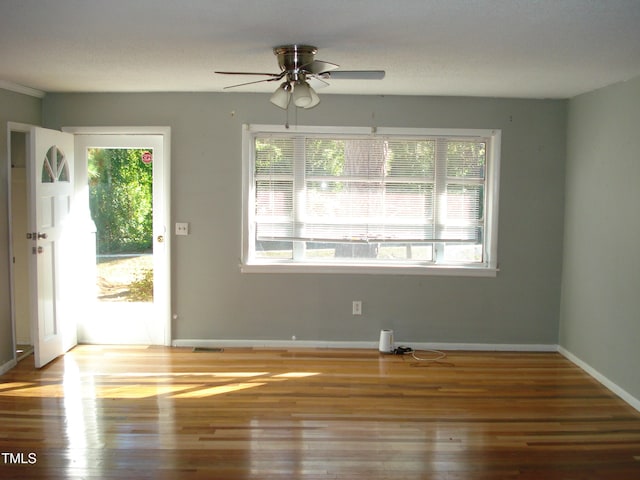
126	311
51	189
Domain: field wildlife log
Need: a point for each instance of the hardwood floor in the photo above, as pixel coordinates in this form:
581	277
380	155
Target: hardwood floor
162	413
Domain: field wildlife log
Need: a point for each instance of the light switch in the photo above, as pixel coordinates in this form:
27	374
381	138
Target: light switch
182	228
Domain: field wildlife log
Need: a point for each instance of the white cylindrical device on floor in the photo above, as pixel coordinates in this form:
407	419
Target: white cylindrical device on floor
386	341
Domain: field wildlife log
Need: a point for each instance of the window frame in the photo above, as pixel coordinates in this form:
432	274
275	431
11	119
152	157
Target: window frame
488	268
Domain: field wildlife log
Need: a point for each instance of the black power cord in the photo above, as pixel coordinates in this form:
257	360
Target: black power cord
402	350
408	350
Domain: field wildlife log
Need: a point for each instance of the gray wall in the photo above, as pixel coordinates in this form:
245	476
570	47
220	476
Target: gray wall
600	312
215	301
14	107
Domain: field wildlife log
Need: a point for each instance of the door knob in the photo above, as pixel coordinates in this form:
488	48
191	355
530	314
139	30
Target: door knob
160	238
42	235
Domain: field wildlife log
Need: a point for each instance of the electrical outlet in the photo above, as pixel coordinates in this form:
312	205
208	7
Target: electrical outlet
182	228
356	307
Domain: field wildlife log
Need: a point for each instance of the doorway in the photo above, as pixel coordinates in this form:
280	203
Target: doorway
23	340
122	179
52	245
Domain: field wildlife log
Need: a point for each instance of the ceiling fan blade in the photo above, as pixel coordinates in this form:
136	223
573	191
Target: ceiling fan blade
251	73
316	82
318	66
257	81
355	75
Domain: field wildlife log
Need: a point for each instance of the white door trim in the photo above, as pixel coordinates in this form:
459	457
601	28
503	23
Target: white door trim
26	129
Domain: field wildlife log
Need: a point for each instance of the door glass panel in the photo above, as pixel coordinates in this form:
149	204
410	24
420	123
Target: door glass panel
62	169
54	166
121	203
47	166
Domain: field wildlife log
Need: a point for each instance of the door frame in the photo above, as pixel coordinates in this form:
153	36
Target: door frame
163	304
26	129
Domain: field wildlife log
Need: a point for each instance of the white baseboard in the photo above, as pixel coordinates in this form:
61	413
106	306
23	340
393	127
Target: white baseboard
208	343
614	387
8	366
483	347
486	347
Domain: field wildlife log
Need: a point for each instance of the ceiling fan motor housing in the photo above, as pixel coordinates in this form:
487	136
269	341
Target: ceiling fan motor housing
292	57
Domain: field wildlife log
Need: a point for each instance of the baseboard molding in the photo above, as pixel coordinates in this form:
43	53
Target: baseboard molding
614	387
8	366
485	347
208	343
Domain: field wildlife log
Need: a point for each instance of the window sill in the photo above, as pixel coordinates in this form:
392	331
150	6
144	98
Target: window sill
435	270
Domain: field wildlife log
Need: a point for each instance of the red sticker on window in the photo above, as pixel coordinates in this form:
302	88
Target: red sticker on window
147	158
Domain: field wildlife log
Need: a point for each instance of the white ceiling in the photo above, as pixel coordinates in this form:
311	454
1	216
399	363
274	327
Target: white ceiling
504	48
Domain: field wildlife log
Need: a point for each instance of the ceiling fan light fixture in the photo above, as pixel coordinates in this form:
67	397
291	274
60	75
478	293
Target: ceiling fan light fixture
302	94
315	99
282	96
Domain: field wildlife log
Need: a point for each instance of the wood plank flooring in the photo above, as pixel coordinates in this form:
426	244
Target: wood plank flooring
169	413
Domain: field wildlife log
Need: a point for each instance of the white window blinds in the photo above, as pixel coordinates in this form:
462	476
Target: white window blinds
371	189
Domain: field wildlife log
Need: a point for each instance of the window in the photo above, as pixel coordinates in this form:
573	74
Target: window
356	200
54	166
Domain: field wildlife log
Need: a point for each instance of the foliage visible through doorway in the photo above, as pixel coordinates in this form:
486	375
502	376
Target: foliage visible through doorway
120	199
121	203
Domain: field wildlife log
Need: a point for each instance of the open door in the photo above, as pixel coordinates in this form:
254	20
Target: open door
50	188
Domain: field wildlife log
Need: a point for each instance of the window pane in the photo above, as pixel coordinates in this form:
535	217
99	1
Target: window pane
357	251
274	250
62	168
466	159
465	202
383	252
406	251
463	253
274	199
318	252
324	157
365	158
411	158
343	199
409	200
274	156
47	166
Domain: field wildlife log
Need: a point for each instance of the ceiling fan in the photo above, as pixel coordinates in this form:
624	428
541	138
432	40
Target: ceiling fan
301	72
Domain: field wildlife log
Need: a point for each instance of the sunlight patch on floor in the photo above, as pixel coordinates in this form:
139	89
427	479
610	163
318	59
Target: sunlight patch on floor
146	385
